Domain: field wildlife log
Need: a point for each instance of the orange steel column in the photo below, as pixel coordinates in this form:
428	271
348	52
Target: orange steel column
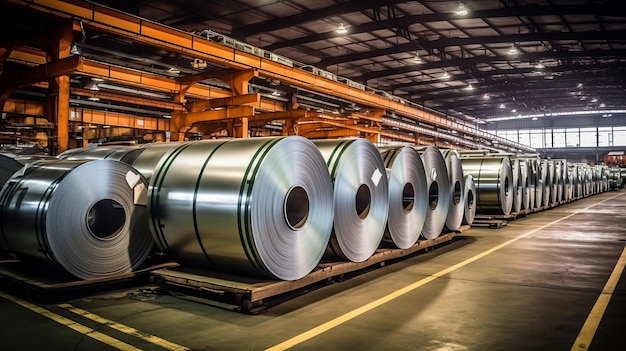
58	99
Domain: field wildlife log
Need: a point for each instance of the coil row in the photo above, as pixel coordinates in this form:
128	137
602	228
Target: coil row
268	207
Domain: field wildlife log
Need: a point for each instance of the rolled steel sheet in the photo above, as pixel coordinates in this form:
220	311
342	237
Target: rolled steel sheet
517	185
536	191
11	163
439	194
547	174
527	183
361	197
408	195
125	153
79	215
147	161
259	206
494	186
456	208
469	188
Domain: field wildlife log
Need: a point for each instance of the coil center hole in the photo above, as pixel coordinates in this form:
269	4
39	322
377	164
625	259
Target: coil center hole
106	218
433	195
363	201
470	199
506	186
456	195
296	207
408	197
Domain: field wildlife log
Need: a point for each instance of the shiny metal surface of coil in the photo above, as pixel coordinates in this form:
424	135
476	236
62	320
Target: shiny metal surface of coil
546	176
494	186
408	195
517	185
125	153
361	197
526	181
438	191
456	209
469	207
147	161
80	215
259	206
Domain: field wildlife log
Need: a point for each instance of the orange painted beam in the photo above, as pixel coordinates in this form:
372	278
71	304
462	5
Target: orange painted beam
118	120
15	79
247	99
271	116
181	120
126	99
24	107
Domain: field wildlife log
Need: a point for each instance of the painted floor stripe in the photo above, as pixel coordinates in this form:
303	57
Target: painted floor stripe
120	345
593	319
125	329
311	333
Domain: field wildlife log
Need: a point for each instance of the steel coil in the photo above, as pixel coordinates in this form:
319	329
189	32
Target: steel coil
527	183
517	185
469	189
439	194
80	215
408	195
11	163
259	206
494	186
124	153
361	197
547	178
456	208
147	161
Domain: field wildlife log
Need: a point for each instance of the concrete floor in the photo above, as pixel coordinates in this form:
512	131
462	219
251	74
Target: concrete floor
533	294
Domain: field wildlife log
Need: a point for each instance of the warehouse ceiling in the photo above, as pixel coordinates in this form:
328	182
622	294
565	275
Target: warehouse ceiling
504	58
499	60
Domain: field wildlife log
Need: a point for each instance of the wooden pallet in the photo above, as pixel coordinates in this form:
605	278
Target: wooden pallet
251	295
49	285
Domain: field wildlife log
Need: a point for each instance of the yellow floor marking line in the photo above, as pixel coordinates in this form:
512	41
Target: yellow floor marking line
311	333
125	329
593	319
120	345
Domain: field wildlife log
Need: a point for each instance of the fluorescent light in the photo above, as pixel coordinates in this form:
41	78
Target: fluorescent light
461	10
502	106
445	75
513	110
540	65
341	29
513	50
96	79
173	70
534	118
469	87
275	93
93	98
486	97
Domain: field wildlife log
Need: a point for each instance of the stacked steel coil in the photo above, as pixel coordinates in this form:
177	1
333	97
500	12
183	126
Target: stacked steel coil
494	186
80	215
469	188
125	153
456	209
518	189
260	206
439	194
408	195
361	197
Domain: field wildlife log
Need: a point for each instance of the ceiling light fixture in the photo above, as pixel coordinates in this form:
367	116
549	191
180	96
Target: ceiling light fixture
534	118
513	50
603	105
173	70
513	110
486	97
417	58
275	93
580	85
469	87
445	75
74	50
93	98
502	106
341	29
461	10
539	65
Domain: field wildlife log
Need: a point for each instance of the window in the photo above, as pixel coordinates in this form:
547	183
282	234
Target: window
558	137
588	137
572	136
605	136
